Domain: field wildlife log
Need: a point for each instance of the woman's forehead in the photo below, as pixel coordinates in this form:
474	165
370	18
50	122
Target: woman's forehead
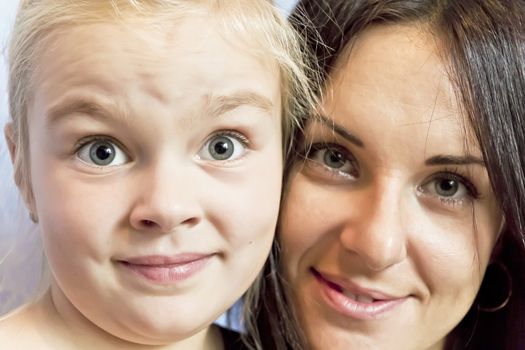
394	78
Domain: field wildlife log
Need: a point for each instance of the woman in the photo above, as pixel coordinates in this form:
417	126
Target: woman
403	223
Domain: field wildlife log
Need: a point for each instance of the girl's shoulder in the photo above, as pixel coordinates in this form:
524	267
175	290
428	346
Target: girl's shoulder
28	327
18	329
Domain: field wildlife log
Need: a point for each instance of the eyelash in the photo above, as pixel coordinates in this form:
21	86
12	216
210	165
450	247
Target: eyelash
232	133
308	153
83	142
239	137
87	140
458	176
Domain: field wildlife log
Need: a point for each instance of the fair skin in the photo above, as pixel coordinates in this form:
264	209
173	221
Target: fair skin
390	222
156	163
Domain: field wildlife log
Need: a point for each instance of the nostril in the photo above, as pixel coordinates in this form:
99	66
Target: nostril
148	223
156	220
191	221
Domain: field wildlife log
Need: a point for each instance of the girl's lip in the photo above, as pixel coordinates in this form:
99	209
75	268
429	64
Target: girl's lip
351	300
159	260
166	270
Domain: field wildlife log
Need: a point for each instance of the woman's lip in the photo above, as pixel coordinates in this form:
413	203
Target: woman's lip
337	297
346	285
166	270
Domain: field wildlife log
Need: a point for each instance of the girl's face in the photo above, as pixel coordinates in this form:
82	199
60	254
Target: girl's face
156	164
390	222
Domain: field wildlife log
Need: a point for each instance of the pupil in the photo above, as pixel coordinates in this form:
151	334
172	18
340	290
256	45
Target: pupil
334	159
103	152
221	148
448	187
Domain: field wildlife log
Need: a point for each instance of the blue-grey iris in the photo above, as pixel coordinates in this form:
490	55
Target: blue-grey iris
221	148
102	153
447	187
334	159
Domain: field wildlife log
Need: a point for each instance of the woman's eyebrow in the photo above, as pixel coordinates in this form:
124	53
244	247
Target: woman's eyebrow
340	130
221	104
454	160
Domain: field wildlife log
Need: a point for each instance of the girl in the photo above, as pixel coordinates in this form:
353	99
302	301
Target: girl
140	134
403	228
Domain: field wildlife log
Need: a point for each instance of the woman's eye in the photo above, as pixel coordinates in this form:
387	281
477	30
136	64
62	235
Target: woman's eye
223	147
334	159
102	153
449	187
445	187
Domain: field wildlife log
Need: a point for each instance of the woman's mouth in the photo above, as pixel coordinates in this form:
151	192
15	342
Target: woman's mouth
352	300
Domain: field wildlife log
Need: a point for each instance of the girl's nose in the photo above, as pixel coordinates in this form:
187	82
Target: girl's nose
167	200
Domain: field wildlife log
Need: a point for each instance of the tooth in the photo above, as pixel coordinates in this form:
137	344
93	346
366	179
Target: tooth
364	299
350	295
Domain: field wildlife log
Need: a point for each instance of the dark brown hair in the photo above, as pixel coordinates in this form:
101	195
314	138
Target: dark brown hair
483	45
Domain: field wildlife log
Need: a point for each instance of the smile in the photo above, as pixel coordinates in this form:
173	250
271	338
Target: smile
165	269
353	301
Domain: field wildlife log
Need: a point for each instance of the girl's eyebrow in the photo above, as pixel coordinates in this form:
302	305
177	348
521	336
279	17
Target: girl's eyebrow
221	104
339	129
216	106
82	105
454	160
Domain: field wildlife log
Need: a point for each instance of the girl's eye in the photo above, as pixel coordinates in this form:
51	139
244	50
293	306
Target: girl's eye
102	153
224	147
334	159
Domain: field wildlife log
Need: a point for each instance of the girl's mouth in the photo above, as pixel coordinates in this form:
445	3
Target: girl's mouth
166	270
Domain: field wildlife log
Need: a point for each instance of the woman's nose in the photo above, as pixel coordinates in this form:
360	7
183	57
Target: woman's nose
376	232
167	200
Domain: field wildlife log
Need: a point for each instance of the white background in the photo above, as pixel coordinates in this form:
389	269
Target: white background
7	13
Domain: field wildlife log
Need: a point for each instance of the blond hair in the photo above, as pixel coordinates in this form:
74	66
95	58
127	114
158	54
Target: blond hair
257	24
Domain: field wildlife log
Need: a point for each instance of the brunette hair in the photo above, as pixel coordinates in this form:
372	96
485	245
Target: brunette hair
482	44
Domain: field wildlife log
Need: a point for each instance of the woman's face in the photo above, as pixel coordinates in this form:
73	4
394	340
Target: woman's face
390	222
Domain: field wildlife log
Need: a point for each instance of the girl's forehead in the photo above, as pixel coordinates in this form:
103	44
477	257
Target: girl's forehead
116	54
184	73
151	45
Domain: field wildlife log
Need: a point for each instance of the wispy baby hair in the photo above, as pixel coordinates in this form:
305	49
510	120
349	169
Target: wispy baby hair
256	24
